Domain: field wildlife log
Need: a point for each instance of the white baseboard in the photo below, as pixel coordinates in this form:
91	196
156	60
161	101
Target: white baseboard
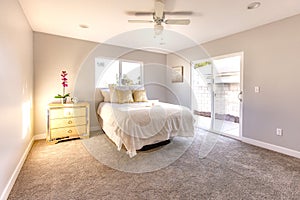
16	172
272	147
40	136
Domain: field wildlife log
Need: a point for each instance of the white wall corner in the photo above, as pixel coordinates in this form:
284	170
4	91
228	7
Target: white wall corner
40	136
95	128
272	147
16	172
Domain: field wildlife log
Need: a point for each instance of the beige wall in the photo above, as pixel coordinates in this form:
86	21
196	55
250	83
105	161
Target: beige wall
271	61
16	82
54	53
179	93
154	71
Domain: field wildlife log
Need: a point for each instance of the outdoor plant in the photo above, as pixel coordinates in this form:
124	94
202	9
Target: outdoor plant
202	64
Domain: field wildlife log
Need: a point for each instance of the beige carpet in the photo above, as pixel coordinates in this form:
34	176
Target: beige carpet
105	151
232	170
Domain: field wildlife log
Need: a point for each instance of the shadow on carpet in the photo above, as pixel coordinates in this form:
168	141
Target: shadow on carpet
105	151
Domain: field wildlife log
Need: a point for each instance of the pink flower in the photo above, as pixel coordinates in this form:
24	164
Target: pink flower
64	84
64	79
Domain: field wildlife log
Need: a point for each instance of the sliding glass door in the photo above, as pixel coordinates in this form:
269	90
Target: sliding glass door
202	86
216	85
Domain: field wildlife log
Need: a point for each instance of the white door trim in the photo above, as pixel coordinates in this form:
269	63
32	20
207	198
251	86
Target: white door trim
241	54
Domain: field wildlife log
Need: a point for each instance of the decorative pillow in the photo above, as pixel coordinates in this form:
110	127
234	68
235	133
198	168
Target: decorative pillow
113	94
140	96
106	94
124	96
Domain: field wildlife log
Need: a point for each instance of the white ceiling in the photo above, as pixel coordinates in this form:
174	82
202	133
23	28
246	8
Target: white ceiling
107	20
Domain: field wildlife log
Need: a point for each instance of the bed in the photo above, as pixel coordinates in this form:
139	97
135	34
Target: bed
137	124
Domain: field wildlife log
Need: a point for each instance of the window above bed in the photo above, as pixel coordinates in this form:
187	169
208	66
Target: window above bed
119	72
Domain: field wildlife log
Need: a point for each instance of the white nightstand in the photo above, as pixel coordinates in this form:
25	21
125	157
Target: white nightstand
66	121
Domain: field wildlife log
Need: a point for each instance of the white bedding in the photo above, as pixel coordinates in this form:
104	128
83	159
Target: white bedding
138	124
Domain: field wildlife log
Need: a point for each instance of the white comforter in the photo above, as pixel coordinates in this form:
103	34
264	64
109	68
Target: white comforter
138	124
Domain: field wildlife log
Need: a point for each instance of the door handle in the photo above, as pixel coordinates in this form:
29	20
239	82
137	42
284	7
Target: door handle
240	95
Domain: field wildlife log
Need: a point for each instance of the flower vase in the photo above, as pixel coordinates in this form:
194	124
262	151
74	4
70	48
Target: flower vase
63	100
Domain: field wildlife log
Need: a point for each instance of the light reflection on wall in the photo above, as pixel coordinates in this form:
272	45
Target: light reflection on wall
26	118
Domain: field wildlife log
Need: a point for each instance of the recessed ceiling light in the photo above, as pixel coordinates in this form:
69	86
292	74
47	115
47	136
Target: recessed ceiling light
253	5
83	26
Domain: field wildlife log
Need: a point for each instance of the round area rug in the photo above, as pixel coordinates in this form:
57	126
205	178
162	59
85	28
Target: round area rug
105	151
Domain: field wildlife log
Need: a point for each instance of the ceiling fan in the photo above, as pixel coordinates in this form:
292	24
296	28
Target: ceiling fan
159	17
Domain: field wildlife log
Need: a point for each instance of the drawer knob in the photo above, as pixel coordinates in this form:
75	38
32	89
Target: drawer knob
70	122
70	131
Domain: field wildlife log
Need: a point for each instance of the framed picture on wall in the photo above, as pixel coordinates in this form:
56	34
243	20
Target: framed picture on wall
177	74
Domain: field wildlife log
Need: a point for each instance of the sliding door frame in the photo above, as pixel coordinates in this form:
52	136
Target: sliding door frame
211	129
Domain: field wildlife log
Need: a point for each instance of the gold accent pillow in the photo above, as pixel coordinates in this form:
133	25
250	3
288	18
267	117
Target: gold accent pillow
113	93
140	96
124	96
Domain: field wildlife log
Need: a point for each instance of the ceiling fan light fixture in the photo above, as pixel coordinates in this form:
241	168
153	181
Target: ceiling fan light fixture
159	17
253	5
158	29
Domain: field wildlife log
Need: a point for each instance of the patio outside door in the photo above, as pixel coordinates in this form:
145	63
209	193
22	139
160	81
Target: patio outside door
216	99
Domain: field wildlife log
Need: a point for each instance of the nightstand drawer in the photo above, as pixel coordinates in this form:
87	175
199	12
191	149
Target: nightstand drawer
67	122
67	112
70	131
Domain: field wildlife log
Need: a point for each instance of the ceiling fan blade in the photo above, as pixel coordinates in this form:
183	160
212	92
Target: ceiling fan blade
133	13
159	8
179	13
178	21
140	21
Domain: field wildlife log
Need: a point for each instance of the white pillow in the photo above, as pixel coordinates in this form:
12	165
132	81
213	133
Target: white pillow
106	94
